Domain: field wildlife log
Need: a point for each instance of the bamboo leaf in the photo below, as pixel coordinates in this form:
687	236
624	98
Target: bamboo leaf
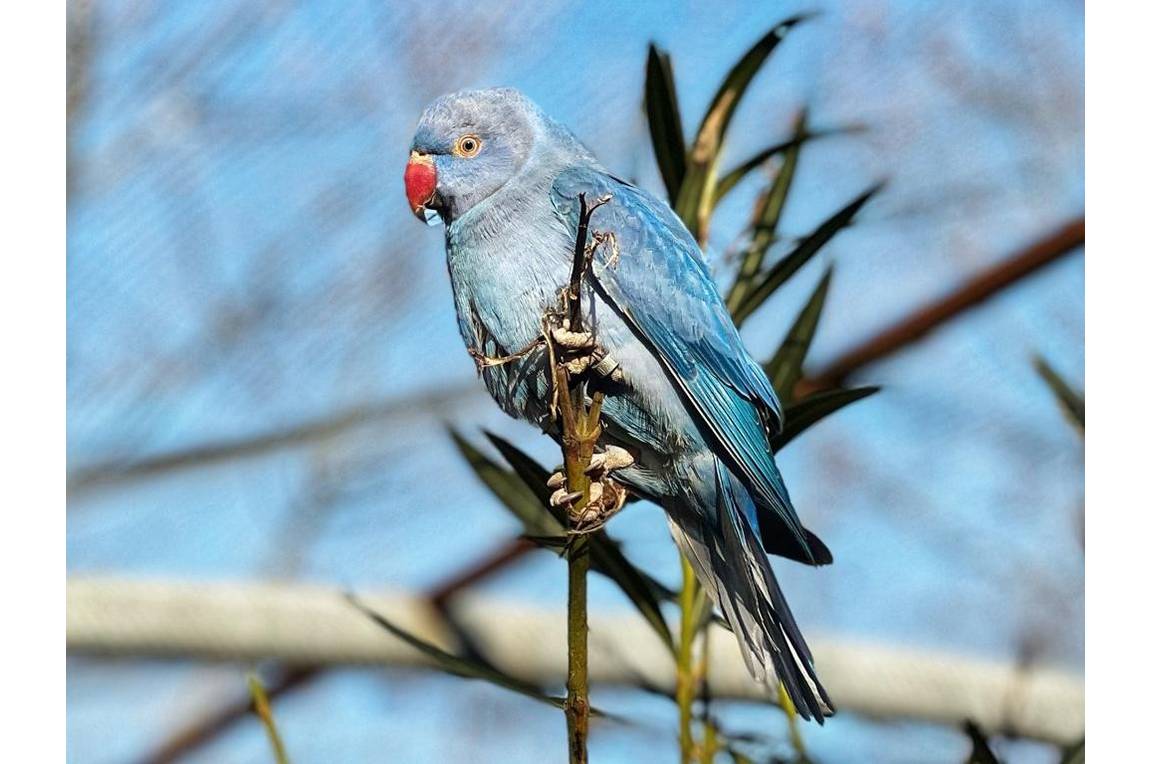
454	664
800	416
981	750
786	365
263	709
695	201
607	558
664	125
515	493
733	177
1070	400
1073	754
798	257
714	126
765	219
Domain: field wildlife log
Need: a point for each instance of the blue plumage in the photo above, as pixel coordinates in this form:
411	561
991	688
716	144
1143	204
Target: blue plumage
690	403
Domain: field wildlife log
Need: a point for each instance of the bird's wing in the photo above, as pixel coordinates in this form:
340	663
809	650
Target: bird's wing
656	278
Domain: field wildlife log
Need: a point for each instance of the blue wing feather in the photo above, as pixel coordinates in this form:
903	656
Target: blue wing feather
661	286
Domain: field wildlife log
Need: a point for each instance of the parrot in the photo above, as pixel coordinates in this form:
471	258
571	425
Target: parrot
687	413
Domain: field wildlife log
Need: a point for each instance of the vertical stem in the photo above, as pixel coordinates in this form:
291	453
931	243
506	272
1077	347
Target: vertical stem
581	429
685	679
576	705
710	745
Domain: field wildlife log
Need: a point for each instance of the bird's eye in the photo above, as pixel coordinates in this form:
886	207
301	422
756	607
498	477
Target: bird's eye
467	146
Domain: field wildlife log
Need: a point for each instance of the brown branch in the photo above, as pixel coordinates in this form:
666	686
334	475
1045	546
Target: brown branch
214	724
305	433
579	433
1068	238
506	553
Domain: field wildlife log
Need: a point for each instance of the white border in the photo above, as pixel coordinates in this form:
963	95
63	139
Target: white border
32	77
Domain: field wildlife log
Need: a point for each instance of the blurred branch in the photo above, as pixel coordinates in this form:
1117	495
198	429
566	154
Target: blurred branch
1071	400
313	626
1067	238
500	557
263	708
1015	268
219	721
305	433
79	42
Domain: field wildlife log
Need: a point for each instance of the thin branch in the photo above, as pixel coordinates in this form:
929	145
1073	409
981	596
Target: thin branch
208	728
309	432
1068	238
580	431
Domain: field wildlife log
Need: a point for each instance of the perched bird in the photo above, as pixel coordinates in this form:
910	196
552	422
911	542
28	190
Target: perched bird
688	412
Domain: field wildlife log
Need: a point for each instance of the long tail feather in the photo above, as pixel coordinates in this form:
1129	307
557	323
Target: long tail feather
733	566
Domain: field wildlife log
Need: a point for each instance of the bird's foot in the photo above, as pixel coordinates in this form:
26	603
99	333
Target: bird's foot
579	352
606	497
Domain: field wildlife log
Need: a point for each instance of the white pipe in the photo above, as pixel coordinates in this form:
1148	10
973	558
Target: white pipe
317	626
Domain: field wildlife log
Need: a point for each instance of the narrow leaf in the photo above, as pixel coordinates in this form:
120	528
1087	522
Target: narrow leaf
454	664
798	257
733	177
765	219
515	493
787	364
714	126
695	201
800	416
1070	400
664	125
607	558
264	710
981	751
1073	754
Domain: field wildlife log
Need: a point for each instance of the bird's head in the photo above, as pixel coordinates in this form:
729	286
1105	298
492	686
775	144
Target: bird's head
467	146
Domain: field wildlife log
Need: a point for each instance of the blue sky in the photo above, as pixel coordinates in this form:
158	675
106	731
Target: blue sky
241	258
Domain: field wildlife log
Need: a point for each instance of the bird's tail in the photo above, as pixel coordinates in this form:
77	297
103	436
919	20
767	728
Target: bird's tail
714	533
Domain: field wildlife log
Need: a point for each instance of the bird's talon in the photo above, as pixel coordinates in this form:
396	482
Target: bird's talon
612	458
562	497
570	340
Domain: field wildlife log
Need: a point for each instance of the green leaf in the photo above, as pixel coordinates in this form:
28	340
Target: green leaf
798	257
516	494
454	664
695	201
765	219
606	556
732	178
264	710
1073	754
664	125
1070	400
981	751
800	416
787	364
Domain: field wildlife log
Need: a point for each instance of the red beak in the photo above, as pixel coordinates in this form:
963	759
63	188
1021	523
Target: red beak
419	181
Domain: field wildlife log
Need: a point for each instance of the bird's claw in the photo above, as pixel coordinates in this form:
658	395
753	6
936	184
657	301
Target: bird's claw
606	497
580	353
612	458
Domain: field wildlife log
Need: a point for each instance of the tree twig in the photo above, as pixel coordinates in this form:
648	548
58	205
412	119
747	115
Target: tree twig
1067	238
580	430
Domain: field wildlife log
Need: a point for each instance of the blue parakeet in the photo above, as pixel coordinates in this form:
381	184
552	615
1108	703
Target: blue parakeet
684	398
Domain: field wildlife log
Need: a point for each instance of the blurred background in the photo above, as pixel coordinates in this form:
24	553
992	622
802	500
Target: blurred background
263	357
